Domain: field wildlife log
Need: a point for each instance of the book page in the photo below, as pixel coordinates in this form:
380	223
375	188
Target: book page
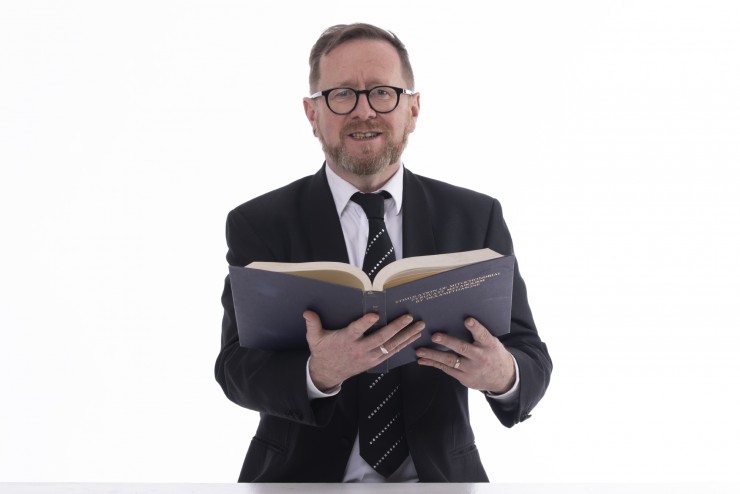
338	273
414	268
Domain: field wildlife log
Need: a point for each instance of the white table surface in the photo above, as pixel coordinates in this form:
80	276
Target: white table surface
164	488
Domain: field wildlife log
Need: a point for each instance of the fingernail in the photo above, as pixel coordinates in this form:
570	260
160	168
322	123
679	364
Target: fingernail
436	338
470	323
407	319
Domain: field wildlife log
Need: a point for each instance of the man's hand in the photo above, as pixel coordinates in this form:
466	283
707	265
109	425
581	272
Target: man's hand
485	364
339	354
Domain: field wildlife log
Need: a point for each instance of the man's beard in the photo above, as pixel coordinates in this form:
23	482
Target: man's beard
368	163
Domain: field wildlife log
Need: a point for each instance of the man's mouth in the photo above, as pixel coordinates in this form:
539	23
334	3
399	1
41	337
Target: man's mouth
364	135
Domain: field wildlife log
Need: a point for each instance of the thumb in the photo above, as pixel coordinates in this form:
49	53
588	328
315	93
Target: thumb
313	324
479	332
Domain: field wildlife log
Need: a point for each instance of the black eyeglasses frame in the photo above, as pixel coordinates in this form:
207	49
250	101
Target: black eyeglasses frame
399	91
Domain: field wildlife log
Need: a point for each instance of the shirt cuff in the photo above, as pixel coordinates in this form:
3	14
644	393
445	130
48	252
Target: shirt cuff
509	396
313	391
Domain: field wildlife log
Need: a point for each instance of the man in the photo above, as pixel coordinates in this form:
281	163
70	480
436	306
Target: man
362	109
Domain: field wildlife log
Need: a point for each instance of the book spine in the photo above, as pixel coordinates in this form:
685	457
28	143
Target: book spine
374	301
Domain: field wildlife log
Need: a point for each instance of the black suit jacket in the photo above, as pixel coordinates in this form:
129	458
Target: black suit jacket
302	440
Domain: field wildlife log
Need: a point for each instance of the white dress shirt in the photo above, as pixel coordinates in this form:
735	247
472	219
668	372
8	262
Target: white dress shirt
355	229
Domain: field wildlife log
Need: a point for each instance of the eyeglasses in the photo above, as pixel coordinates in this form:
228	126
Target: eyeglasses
343	100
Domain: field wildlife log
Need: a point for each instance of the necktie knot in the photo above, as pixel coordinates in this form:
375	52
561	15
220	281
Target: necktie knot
372	204
379	250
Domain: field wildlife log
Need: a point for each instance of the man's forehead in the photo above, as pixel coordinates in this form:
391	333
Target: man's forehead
368	61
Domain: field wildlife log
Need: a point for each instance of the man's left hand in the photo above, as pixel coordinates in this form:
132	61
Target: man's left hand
485	364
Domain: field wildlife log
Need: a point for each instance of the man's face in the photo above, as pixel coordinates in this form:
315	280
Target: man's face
362	142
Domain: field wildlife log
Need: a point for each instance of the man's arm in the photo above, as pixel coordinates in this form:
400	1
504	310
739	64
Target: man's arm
523	341
462	224
268	382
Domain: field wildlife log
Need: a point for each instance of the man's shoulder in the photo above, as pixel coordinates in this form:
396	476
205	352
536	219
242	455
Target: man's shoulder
284	198
451	193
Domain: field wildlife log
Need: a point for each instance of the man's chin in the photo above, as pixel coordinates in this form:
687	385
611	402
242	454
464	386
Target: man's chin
365	163
364	168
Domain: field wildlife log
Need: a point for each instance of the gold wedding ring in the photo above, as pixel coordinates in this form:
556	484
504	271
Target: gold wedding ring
382	349
457	362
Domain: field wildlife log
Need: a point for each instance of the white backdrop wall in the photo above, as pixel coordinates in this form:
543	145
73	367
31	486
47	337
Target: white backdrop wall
609	130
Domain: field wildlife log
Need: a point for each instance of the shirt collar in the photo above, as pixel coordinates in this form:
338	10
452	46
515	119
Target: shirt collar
342	191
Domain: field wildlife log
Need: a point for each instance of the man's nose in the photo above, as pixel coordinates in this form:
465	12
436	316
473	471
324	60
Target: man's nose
363	109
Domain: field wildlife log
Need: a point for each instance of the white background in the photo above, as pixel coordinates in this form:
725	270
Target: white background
128	130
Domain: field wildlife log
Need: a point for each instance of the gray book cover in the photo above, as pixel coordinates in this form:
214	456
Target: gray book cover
269	305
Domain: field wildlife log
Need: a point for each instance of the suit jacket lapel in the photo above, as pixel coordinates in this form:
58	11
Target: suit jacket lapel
324	232
418	233
326	241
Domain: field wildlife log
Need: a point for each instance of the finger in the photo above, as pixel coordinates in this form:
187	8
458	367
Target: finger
403	339
447	369
457	345
384	334
313	325
447	359
359	326
479	332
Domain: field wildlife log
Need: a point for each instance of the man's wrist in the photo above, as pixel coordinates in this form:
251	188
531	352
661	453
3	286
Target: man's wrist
512	390
313	390
321	382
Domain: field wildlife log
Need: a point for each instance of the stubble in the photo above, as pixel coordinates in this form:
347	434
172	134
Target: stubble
367	162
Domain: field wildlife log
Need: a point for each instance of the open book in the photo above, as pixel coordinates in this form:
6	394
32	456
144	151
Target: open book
442	290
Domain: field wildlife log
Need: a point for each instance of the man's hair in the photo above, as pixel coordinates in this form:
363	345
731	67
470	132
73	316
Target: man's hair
342	33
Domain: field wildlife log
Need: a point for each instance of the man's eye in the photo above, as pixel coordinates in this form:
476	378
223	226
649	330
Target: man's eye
341	94
381	92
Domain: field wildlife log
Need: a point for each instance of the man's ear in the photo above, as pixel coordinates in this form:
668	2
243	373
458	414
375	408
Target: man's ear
310	108
414	108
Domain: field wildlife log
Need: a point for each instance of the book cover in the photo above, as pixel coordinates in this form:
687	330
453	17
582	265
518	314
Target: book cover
269	305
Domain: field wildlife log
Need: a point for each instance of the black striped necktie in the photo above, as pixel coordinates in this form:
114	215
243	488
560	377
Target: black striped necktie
382	437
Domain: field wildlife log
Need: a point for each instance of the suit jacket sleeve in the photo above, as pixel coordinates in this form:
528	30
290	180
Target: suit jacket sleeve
268	382
440	218
524	343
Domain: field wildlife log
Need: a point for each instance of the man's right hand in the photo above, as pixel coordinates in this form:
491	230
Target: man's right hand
339	354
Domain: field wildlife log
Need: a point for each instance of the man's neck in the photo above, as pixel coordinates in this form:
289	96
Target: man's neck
366	183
